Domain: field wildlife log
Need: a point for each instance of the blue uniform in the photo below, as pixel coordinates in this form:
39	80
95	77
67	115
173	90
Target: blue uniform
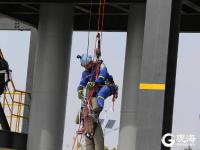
104	77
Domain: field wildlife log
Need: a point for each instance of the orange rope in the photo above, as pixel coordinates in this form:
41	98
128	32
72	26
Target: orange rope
100	19
99	15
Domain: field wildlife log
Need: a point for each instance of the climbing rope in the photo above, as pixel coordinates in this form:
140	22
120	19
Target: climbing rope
88	106
89	26
100	28
101	15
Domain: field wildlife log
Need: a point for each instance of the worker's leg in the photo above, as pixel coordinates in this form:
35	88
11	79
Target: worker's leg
89	128
89	144
104	92
98	138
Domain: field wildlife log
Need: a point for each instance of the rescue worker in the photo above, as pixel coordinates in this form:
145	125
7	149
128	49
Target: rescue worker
4	74
105	81
104	87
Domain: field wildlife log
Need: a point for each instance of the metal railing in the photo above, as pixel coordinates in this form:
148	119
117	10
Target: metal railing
13	103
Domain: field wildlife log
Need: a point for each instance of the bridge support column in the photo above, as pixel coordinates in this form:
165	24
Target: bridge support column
149	77
128	127
158	70
30	74
51	77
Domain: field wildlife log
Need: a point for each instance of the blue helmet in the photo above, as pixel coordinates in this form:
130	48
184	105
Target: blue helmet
85	59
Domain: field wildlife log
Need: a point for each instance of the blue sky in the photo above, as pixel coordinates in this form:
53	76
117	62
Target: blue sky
15	45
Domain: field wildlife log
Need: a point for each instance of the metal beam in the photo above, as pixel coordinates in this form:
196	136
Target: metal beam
106	14
191	5
30	7
122	2
119	7
183	12
82	9
31	20
77	14
107	3
190	23
24	13
111	23
63	1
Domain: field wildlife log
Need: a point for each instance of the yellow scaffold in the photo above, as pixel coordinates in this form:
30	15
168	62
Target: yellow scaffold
14	104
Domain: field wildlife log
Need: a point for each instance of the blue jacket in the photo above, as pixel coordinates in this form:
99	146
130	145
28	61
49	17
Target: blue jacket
90	76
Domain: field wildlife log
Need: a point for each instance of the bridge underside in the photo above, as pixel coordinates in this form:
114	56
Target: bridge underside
116	13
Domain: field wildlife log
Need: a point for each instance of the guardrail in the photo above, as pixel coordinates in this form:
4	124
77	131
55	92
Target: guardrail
13	102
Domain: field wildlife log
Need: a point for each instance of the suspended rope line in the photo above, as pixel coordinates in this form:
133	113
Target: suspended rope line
89	26
98	39
102	23
101	15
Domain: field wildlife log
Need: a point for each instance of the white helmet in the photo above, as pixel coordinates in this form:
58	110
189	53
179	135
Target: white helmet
85	59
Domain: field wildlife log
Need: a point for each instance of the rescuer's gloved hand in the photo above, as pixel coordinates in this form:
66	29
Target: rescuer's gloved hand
80	94
90	85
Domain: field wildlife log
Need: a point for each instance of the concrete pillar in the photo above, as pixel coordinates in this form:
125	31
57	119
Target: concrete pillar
51	77
128	127
30	74
159	45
